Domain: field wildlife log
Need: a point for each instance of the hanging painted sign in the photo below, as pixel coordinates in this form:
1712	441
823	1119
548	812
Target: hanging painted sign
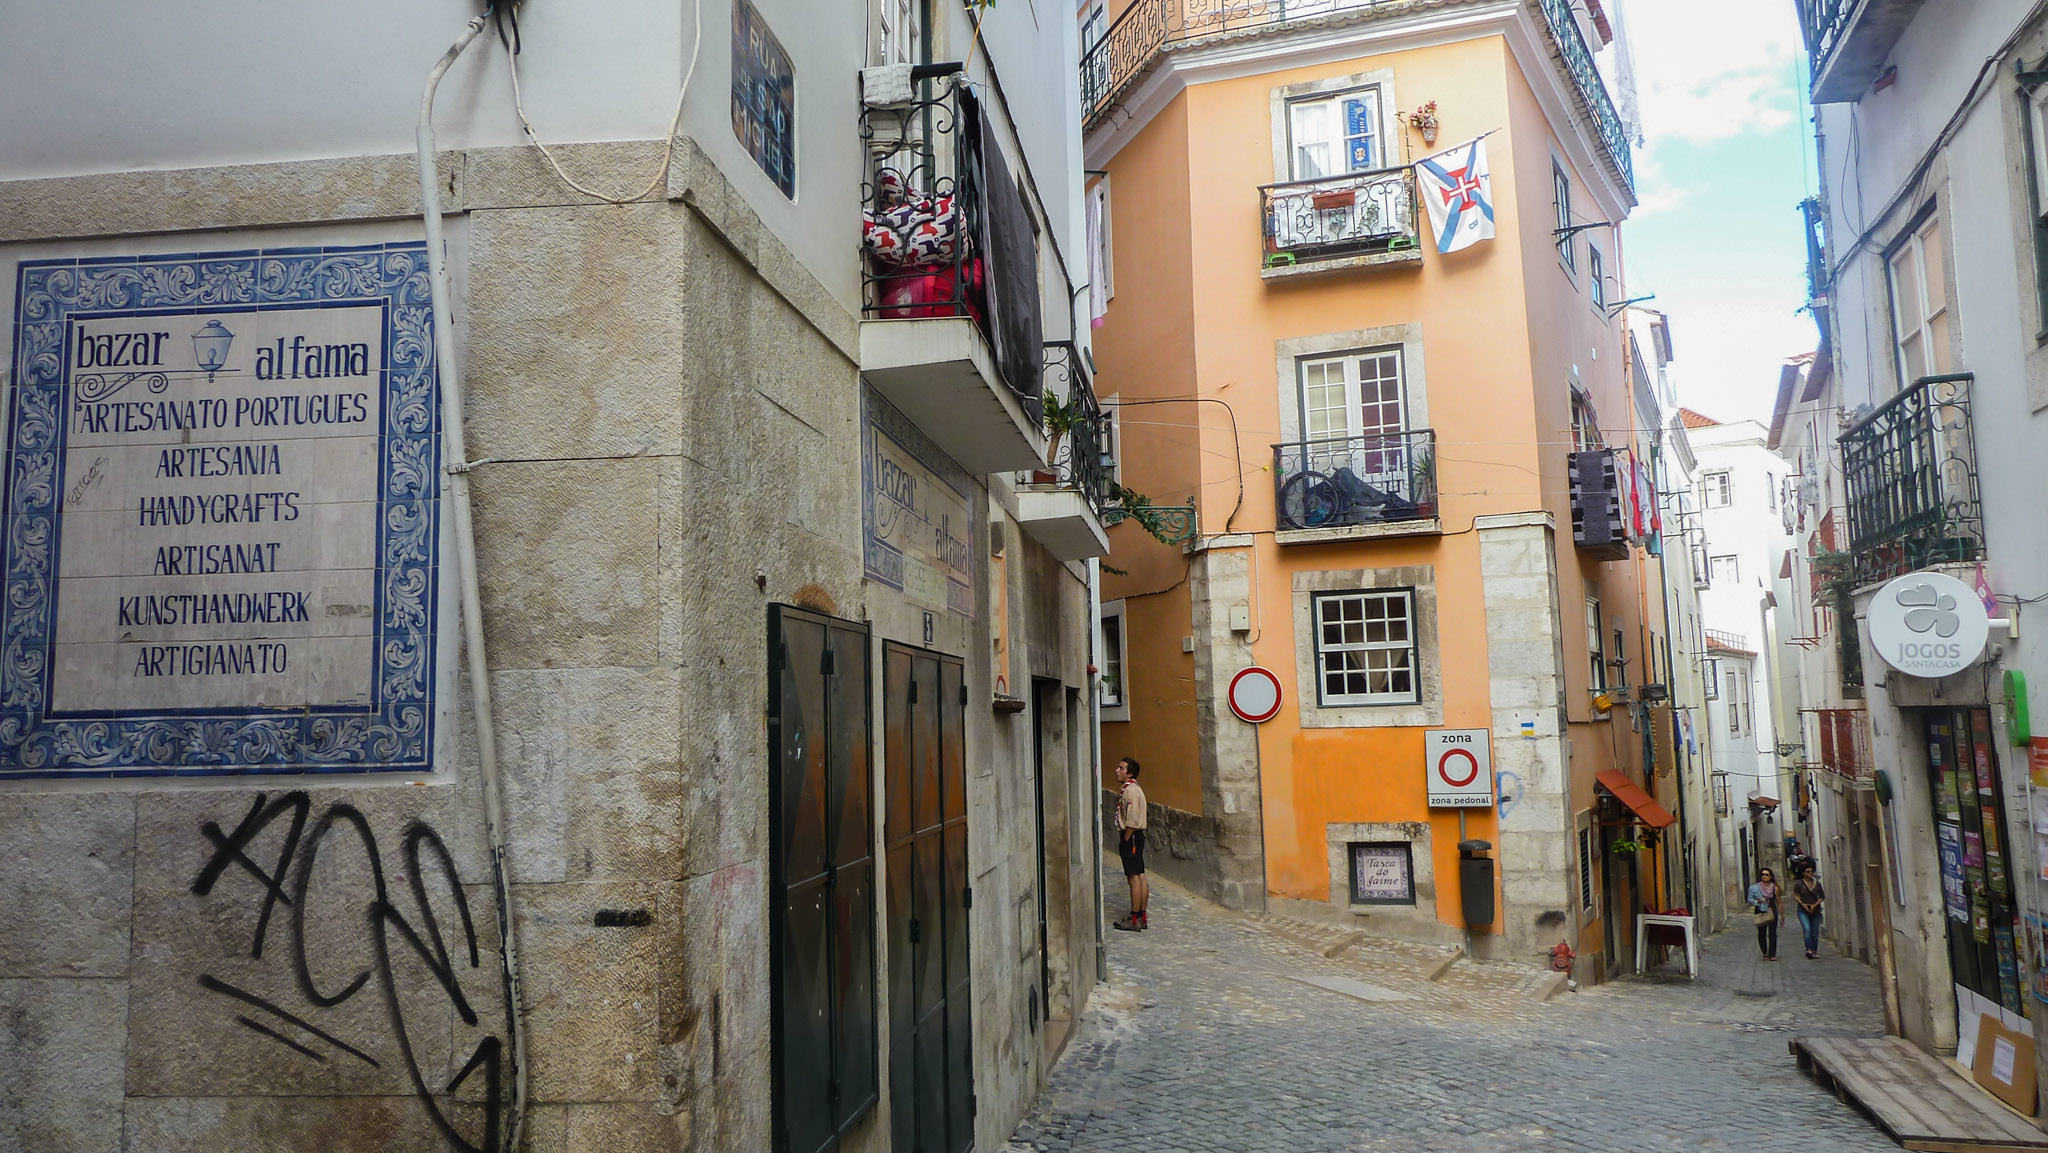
1928	624
223	517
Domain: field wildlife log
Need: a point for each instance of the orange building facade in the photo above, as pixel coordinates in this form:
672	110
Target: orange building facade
1386	448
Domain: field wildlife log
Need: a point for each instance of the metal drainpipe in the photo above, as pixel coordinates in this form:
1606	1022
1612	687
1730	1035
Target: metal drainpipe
1095	735
465	552
1664	592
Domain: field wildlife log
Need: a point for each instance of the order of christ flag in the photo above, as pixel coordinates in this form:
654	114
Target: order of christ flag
1456	189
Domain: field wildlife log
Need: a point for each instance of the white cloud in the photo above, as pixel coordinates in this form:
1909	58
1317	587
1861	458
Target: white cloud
1709	71
1729	346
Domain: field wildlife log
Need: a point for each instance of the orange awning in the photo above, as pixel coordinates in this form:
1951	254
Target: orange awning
1645	807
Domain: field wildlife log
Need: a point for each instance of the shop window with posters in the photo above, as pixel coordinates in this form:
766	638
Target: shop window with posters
1977	886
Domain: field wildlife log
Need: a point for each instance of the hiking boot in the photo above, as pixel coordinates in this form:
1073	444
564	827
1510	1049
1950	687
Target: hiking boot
1130	924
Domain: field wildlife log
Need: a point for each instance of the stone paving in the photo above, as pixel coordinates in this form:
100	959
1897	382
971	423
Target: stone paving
1207	1038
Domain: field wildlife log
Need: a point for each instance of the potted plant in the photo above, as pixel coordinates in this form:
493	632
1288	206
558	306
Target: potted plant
1061	415
1424	118
1625	848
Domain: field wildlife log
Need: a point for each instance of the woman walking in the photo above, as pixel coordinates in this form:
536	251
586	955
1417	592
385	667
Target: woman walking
1807	897
1763	901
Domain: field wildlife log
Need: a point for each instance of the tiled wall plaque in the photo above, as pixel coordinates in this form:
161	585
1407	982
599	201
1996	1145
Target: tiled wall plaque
222	516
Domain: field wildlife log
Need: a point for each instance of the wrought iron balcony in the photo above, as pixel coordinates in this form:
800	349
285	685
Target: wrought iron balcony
1076	427
1847	42
1911	471
1350	481
951	333
1359	214
1578	62
1148	27
1065	505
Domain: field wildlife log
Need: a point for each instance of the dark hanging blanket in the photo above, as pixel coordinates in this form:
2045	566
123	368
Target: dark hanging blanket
1006	236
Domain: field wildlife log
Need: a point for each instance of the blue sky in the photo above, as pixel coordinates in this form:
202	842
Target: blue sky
1717	237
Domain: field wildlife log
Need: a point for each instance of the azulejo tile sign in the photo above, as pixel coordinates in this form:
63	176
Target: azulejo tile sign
916	512
222	516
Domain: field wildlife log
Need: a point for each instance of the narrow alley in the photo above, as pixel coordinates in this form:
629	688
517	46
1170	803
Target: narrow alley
1210	1035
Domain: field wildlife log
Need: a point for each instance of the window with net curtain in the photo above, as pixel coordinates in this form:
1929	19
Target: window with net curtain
1333	135
1919	290
1366	652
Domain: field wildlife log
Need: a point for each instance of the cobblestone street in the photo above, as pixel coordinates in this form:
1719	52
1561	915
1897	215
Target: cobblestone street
1210	1036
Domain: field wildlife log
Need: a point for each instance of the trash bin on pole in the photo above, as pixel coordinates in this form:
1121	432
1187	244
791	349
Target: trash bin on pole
1475	881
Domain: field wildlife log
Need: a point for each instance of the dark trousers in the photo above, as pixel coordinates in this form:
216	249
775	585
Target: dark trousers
1767	938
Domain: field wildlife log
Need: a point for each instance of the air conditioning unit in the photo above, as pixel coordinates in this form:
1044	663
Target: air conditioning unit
1655	692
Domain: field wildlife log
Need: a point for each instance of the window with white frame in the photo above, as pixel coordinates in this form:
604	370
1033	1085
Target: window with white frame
1596	655
1713	680
1113	691
1585	425
1366	651
1567	242
1092	26
1723	570
900	32
1596	277
1330	135
1587	857
1919	289
1353	394
1735	700
1720	492
1112	443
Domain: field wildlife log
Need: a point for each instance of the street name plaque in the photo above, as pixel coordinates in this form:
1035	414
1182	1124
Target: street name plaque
222	516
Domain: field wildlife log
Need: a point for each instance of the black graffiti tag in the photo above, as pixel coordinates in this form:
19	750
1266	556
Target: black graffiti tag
420	940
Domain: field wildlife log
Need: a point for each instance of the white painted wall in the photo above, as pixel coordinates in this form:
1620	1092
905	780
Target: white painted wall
224	82
1750	530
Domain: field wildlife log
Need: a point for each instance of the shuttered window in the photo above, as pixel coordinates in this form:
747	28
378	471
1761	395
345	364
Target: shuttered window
822	963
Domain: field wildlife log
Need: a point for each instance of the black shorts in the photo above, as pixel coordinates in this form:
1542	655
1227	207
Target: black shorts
1131	847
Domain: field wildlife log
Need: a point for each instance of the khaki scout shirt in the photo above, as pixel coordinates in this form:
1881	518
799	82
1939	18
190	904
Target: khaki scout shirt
1130	807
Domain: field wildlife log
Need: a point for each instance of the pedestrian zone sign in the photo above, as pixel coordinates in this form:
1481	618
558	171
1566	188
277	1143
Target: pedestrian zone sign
1459	764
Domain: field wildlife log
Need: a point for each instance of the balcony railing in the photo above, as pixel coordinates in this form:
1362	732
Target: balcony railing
1849	43
1361	213
1911	472
1076	427
1822	23
1148	26
1356	480
1578	61
945	231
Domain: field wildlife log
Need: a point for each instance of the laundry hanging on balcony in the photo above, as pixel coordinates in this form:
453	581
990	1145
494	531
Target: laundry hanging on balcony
1458	191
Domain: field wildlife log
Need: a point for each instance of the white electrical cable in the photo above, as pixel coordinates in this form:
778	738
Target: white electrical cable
450	379
668	151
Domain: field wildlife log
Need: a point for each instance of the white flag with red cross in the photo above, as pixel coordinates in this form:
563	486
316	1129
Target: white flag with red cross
1458	192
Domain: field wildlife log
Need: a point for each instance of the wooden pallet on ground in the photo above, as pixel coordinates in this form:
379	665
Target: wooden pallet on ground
1916	1099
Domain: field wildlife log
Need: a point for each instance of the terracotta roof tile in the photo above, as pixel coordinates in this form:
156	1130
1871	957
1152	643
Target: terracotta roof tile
1692	419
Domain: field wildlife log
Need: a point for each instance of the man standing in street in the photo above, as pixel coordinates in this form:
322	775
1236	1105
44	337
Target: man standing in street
1130	841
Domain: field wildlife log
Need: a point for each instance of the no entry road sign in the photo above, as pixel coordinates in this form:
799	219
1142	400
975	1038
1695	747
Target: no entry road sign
1459	764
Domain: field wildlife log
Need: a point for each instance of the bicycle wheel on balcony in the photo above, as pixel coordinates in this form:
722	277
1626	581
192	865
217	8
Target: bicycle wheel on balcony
1307	501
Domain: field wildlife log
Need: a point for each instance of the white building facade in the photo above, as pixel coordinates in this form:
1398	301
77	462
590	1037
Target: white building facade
1740	485
1928	262
725	782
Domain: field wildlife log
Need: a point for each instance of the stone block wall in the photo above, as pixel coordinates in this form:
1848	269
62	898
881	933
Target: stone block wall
665	413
